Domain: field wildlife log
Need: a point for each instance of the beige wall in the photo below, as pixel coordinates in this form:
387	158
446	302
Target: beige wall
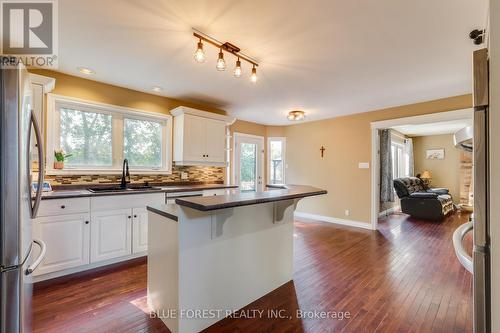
445	172
347	141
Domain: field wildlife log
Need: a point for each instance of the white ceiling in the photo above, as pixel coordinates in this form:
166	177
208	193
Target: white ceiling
437	128
326	57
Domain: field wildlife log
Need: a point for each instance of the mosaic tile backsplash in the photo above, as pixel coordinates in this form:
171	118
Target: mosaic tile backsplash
195	173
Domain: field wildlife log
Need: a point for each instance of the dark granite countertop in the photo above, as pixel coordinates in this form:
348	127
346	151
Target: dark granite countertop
236	198
167	210
82	193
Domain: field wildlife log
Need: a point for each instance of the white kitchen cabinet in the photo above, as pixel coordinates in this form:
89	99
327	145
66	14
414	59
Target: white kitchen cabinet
67	240
111	234
215	134
85	233
219	191
199	137
194	138
139	230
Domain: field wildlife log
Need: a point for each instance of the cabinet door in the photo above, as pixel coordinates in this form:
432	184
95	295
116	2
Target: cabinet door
67	239
140	230
194	138
215	141
110	234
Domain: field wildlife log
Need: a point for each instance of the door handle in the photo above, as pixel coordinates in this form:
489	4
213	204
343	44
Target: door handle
43	250
458	237
41	165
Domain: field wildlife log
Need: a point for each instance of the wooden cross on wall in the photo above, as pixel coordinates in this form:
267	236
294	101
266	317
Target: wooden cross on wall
322	149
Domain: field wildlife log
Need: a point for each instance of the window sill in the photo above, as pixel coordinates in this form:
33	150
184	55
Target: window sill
84	172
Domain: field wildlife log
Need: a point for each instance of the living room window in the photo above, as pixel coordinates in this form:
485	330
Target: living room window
398	160
99	136
400	156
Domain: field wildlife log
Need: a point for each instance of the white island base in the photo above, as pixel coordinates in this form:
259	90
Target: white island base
208	264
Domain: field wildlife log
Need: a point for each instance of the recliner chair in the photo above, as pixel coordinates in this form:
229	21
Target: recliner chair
419	201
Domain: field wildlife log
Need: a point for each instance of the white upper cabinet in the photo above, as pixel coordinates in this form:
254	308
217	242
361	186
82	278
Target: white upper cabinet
199	137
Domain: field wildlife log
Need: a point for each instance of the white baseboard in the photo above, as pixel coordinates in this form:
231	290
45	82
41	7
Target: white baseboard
335	220
389	211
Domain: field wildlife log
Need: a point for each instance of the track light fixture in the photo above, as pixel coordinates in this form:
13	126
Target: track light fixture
199	55
254	77
221	63
237	69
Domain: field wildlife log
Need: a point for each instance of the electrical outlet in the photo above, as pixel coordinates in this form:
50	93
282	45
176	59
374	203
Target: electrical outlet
347	212
184	175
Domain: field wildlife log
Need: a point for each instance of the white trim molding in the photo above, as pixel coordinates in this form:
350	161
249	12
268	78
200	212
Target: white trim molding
48	83
199	113
335	220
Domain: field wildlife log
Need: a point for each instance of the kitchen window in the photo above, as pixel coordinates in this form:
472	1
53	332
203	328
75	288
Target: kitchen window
276	159
99	136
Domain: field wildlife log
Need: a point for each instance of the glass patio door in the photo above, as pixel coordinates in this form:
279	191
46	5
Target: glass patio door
248	162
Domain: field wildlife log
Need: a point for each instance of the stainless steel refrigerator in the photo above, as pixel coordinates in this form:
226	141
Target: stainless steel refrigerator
20	254
481	225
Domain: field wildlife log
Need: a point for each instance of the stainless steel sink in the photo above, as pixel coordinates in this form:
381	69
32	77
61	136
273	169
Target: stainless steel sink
108	189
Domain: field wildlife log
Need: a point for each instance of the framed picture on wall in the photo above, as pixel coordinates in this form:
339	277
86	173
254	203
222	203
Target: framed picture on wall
435	154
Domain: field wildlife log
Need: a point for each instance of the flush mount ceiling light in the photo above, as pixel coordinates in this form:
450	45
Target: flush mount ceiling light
296	115
157	89
85	70
199	55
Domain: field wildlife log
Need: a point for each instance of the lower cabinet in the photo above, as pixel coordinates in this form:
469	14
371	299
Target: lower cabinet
68	241
111	235
82	233
139	230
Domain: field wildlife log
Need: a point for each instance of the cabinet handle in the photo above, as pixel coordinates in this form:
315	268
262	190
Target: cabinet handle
87	222
135	216
63	206
129	217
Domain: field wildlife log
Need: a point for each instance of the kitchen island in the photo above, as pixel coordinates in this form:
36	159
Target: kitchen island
211	256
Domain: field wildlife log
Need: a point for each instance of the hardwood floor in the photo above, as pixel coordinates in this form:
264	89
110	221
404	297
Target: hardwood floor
402	278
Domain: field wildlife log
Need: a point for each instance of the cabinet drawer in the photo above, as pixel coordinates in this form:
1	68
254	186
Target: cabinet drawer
127	201
220	191
64	206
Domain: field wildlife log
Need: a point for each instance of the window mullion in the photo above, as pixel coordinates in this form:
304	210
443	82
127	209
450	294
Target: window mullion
117	140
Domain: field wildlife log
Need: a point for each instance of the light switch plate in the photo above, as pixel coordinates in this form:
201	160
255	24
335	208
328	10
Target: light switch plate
364	165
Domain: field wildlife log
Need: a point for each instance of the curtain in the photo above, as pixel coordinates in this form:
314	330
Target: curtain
409	151
386	186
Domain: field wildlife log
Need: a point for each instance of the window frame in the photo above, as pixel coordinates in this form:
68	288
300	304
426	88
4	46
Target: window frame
283	141
119	113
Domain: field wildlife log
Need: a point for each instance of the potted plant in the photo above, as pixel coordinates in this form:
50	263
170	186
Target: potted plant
60	156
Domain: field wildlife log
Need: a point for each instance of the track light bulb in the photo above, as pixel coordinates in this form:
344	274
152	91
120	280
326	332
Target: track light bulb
199	55
254	77
237	69
221	64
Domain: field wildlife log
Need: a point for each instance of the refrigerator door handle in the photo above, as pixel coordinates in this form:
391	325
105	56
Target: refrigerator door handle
41	166
43	249
462	255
